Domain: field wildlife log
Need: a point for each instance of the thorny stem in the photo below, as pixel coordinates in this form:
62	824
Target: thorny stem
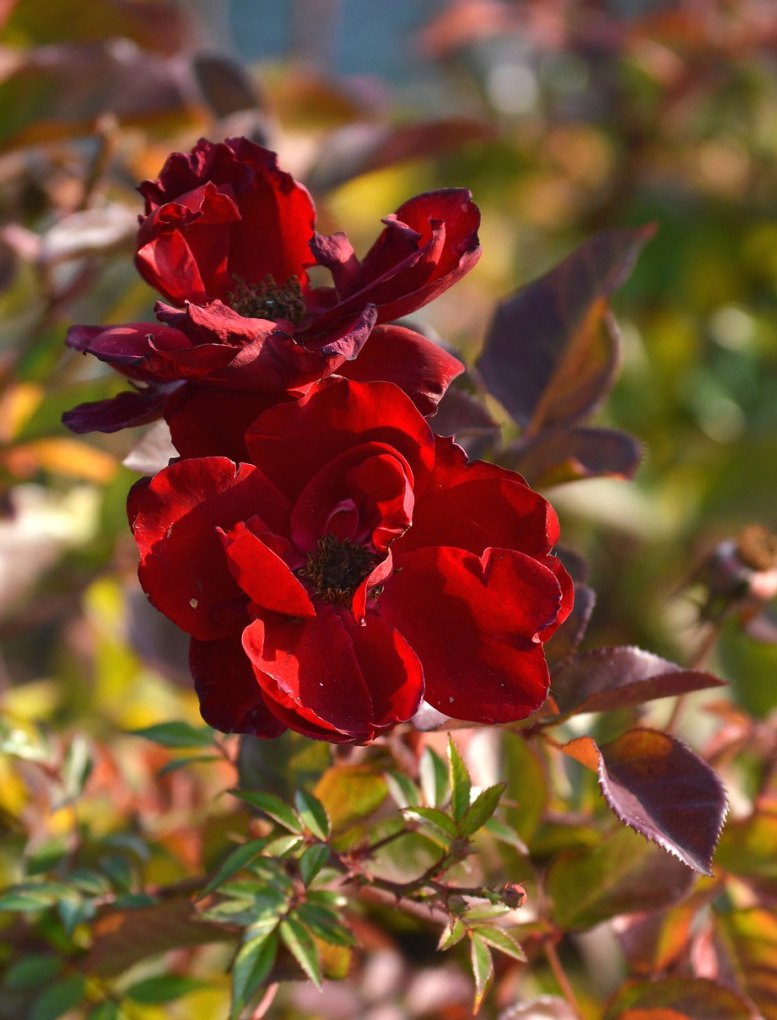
549	946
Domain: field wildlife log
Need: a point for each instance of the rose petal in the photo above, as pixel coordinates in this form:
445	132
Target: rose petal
474	505
175	516
473	622
263	575
418	366
369	679
292	440
369	483
230	698
125	410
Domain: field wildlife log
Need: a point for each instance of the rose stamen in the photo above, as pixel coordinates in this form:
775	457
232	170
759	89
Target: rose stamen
268	299
337	568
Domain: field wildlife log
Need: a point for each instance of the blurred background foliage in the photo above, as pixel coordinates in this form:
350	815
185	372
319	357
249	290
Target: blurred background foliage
563	119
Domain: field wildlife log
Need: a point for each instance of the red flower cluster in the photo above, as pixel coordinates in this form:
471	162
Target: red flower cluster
355	565
335	563
228	237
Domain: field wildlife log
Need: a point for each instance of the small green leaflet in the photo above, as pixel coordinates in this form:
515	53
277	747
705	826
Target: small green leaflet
482	968
252	965
235	862
300	944
273	806
482	808
176	734
313	814
461	785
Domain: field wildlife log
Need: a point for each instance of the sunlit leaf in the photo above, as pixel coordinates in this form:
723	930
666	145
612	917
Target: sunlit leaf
273	806
252	964
623	874
482	808
312	814
452	934
350	793
298	940
176	734
402	789
235	862
482	968
325	924
499	938
163	988
312	861
436	818
433	774
460	782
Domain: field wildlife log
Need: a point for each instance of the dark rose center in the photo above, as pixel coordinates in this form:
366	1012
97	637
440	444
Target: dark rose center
337	568
268	299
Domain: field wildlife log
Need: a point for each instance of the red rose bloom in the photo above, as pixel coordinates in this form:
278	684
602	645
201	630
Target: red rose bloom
228	237
356	566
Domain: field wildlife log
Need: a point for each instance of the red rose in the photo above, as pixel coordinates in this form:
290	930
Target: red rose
358	565
228	238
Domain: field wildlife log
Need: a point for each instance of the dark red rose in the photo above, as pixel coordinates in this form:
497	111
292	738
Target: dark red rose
228	238
356	566
222	213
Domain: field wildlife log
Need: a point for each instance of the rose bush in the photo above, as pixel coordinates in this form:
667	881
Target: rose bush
228	238
355	567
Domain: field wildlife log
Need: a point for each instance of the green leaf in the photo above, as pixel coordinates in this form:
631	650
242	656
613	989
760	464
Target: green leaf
46	855
324	924
252	964
93	883
505	834
105	1011
623	874
483	806
313	814
163	988
452	934
176	734
269	804
58	998
234	862
300	944
461	784
32	972
282	846
402	789
119	871
182	763
76	767
436	818
482	968
73	912
312	861
501	940
351	793
433	773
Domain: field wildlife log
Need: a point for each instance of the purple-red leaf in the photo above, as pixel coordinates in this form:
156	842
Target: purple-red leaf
657	785
571	632
621	677
568	455
550	354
